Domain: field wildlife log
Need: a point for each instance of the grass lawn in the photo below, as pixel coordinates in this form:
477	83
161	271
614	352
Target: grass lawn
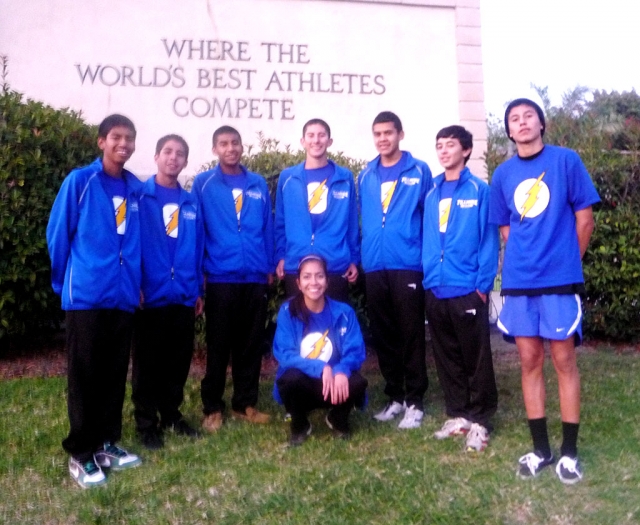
247	475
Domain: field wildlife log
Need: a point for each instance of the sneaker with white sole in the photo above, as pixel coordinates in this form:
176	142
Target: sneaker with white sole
568	470
87	474
531	464
458	426
390	411
477	438
412	418
116	458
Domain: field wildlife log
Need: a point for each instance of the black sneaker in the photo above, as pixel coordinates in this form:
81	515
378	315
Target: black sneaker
569	470
339	432
182	428
151	439
531	464
298	438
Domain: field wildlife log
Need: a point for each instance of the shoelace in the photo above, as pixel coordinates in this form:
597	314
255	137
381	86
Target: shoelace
114	450
569	465
90	467
532	461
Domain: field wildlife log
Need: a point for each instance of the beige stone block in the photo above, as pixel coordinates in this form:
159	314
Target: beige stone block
476	164
470	92
469	54
468	3
468	16
470	73
468	36
478	129
472	111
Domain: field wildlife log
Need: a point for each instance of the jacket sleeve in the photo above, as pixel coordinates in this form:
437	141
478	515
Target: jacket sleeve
278	228
352	349
427	181
200	247
286	347
353	235
268	230
489	247
61	229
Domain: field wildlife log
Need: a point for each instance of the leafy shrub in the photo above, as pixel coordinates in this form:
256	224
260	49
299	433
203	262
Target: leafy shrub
39	145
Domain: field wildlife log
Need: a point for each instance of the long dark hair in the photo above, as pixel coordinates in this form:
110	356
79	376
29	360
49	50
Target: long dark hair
297	306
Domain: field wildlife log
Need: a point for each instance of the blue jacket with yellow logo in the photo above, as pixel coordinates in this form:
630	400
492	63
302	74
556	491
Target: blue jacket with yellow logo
92	267
393	241
235	250
469	256
337	237
164	283
348	343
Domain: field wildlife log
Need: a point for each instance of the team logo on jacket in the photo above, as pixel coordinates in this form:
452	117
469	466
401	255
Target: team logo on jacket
531	197
317	193
444	208
386	193
120	207
237	199
317	345
170	213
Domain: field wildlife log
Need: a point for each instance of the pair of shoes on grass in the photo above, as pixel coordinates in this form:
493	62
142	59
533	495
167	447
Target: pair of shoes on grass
412	415
213	422
301	431
152	438
88	473
477	436
568	469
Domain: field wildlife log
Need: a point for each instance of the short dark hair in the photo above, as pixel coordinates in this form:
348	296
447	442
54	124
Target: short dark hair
463	135
113	121
316	121
523	102
163	140
388	116
223	130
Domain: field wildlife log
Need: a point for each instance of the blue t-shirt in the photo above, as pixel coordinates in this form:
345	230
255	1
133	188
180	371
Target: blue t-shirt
318	192
168	199
238	184
318	341
116	189
389	180
444	208
538	198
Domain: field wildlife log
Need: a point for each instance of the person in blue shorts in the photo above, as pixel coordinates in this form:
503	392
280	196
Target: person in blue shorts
319	349
542	200
172	287
317	213
460	260
93	238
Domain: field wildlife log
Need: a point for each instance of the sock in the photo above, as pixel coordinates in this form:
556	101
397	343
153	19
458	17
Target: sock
569	439
538	428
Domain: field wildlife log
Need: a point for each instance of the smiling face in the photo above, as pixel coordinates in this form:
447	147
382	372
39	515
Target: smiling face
524	125
316	141
228	148
312	282
171	160
387	139
117	148
450	154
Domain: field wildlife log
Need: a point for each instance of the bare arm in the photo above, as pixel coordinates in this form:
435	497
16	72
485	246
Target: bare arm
504	232
584	227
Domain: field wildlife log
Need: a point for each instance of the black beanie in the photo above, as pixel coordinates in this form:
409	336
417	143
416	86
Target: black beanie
523	102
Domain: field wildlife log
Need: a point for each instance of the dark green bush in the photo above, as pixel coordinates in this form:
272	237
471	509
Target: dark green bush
39	145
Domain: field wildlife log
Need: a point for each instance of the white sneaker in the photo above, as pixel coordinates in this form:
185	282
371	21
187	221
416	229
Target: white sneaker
453	427
87	474
568	470
116	458
412	418
389	412
477	438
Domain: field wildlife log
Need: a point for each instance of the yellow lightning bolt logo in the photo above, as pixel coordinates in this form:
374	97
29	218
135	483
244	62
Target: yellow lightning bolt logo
238	202
444	217
316	196
318	346
172	224
387	198
532	196
121	213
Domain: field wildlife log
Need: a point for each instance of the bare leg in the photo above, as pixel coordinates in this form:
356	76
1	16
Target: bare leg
563	354
531	351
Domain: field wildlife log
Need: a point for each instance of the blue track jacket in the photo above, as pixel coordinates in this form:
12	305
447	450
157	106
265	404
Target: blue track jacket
92	267
164	283
394	241
336	238
289	334
235	250
469	256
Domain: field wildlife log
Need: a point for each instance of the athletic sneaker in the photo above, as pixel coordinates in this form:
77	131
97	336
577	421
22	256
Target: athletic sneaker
338	431
477	438
568	470
531	464
412	418
298	438
390	411
116	458
86	474
453	427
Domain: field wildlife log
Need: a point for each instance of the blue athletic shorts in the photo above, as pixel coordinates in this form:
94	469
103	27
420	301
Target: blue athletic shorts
556	317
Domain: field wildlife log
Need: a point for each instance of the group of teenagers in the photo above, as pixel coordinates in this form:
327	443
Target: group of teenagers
139	261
